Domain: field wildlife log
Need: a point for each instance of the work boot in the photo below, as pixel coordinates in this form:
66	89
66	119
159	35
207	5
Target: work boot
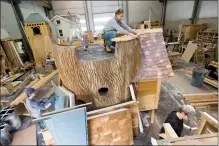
110	50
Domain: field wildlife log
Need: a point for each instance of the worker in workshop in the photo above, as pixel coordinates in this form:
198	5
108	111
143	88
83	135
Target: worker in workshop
176	118
34	106
114	25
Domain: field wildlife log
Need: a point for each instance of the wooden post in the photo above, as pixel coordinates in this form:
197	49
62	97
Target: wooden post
152	116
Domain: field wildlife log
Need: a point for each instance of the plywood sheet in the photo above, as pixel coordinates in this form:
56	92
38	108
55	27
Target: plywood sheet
69	128
148	94
111	129
25	137
190	50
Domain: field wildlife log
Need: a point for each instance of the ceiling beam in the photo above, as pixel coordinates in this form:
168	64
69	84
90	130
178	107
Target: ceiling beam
195	11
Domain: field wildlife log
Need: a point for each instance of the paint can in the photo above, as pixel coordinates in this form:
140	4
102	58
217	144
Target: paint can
6	138
11	118
198	76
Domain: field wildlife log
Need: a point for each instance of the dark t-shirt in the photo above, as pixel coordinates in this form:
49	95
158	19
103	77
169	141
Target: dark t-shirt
175	122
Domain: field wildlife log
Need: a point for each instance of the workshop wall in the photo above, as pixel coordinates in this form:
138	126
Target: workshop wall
180	12
138	11
208	9
8	20
28	7
74	7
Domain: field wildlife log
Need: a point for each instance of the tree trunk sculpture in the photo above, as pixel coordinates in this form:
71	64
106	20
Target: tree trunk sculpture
96	76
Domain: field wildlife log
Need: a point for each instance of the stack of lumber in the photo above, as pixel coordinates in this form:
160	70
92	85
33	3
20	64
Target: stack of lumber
37	85
207	36
202	101
12	54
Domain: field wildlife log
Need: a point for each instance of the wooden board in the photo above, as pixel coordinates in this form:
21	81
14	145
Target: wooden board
37	85
47	137
203	141
190	50
111	129
148	93
202	96
25	137
170	133
190	139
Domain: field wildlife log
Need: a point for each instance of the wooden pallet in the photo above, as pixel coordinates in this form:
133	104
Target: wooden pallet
202	101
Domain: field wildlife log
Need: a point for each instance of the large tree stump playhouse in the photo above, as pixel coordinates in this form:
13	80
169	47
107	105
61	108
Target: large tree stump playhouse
96	76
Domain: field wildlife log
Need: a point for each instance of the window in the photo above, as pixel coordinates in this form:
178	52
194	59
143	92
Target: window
58	22
100	20
60	33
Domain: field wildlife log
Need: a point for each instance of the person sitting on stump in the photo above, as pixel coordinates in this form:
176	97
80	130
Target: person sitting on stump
114	25
176	118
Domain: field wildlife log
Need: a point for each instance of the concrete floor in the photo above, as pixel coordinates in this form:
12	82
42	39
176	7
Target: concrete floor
169	101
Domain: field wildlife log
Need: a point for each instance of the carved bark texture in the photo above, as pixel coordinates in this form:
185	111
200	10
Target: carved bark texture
85	78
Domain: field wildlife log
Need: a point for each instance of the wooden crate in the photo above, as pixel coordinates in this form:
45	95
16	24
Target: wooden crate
148	93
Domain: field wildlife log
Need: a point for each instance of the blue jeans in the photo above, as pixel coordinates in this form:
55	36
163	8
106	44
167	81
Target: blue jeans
109	36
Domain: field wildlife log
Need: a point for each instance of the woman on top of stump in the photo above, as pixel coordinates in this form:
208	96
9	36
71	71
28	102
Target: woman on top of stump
114	25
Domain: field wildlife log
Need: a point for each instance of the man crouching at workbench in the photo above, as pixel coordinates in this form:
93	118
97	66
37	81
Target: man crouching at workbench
175	119
34	106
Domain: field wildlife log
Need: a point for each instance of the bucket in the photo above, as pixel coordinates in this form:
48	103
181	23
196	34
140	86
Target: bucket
198	76
12	119
5	135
